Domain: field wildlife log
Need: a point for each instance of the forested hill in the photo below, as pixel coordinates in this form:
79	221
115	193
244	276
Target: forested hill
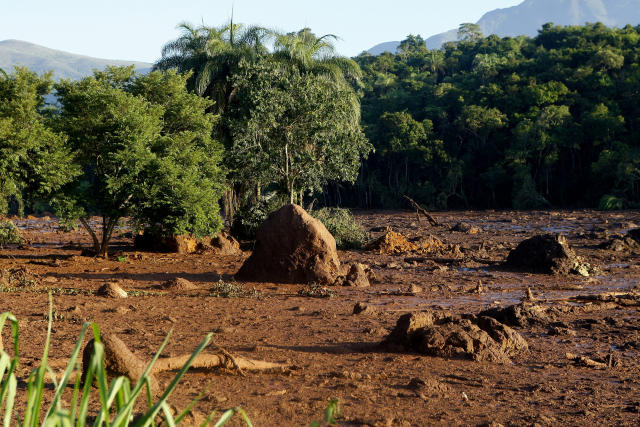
529	16
63	64
506	122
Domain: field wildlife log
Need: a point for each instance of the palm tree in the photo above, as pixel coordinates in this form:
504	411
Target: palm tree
317	55
436	62
211	54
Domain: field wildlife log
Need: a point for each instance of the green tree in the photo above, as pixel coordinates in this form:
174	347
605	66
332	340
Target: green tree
469	32
34	160
295	129
212	55
145	148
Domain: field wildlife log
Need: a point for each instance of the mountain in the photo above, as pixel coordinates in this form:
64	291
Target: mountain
529	16
63	64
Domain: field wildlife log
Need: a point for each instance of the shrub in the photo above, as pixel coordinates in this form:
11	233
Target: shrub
249	217
610	203
343	226
9	233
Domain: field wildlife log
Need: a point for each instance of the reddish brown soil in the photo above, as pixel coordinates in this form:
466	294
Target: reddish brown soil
335	354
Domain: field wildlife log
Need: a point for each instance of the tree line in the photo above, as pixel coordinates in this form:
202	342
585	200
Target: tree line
491	122
251	117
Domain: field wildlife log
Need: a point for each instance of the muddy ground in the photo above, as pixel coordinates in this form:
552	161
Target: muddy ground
335	354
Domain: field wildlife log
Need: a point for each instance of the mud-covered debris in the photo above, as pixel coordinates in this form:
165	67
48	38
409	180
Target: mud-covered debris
362	308
627	243
391	243
520	315
469	337
464	227
118	361
357	276
292	247
428	387
178	284
148	241
548	254
112	290
223	244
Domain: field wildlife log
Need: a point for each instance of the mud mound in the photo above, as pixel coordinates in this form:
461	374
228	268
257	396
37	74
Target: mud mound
292	247
547	254
223	244
112	290
357	277
178	284
470	337
185	244
628	243
463	227
391	243
520	315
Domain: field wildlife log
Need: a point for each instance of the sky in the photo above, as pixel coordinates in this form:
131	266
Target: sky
137	29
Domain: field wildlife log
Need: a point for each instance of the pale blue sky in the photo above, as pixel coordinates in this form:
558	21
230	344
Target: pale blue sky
136	30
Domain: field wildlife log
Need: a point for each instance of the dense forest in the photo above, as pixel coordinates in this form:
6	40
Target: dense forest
247	119
491	122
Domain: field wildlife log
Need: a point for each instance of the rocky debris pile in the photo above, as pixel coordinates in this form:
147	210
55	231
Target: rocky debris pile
520	315
627	243
223	245
463	227
111	290
357	276
364	309
392	243
178	284
292	247
470	337
548	254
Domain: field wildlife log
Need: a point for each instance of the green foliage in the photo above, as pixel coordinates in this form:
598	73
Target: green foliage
294	129
559	106
34	160
330	414
117	400
224	289
9	233
316	290
145	148
252	214
343	226
610	203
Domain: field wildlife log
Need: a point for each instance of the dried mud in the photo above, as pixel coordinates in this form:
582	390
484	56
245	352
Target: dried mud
582	366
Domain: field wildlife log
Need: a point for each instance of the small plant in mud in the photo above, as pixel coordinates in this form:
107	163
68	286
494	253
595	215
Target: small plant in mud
314	290
9	233
330	414
18	278
224	289
343	226
117	400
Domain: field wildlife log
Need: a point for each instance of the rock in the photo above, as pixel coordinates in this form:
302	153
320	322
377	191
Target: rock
362	308
463	227
118	361
391	243
112	290
357	277
178	284
407	326
292	247
414	290
520	315
547	254
223	244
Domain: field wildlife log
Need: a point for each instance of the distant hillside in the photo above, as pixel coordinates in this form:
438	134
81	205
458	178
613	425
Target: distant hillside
529	16
63	64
